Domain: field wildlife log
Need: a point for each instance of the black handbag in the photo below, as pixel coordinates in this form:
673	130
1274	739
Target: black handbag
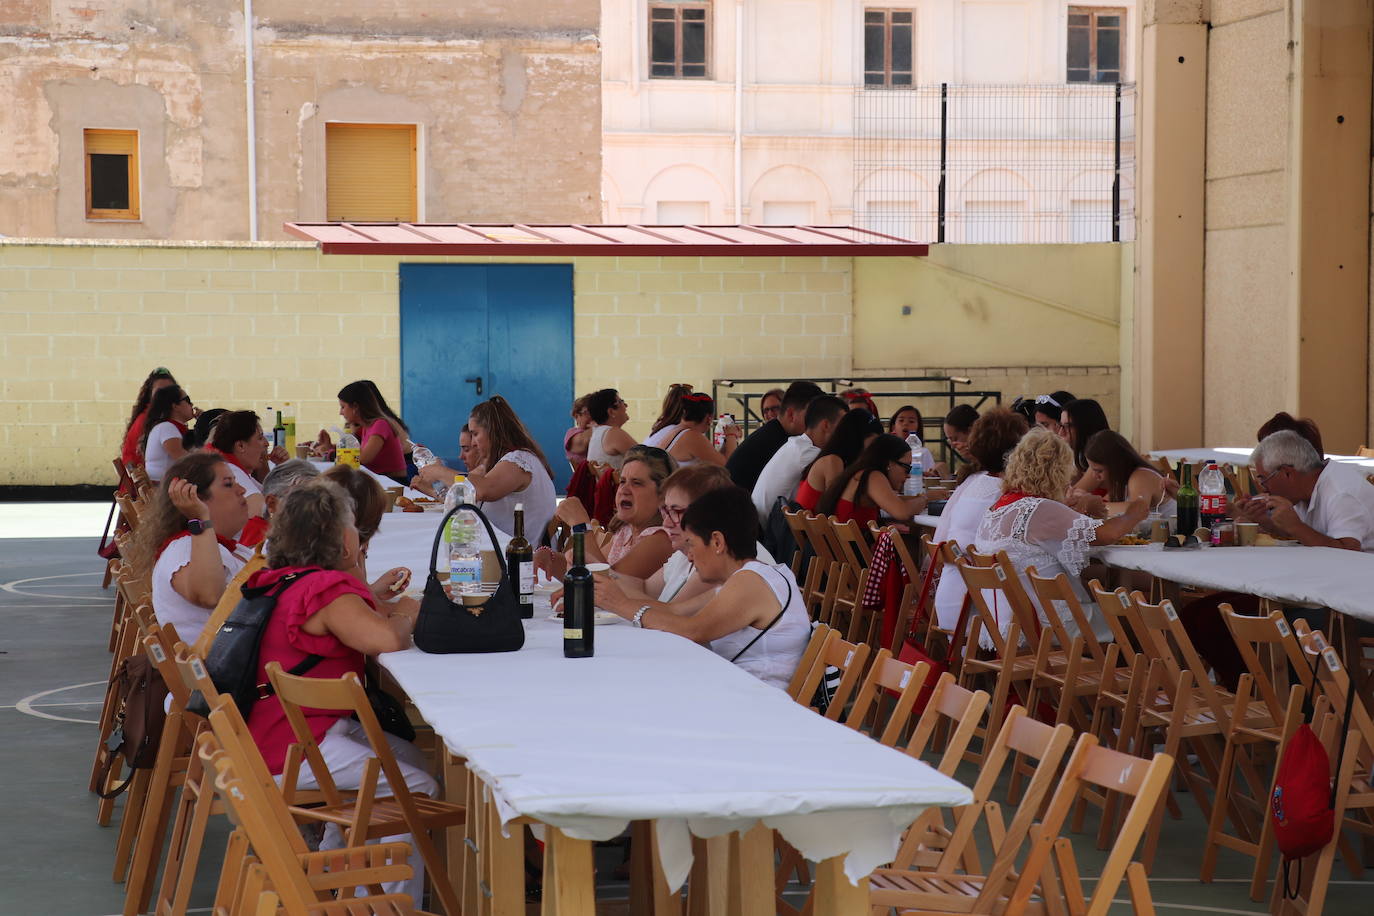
446	627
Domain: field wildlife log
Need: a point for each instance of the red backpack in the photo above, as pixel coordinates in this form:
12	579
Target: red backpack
1304	799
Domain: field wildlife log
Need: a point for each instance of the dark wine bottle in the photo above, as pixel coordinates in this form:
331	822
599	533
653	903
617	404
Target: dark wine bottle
1187	500
279	433
579	605
520	564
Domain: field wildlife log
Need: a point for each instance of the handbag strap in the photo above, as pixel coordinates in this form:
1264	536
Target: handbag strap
491	533
767	628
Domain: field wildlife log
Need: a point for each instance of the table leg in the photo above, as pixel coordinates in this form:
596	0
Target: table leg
454	776
709	886
569	887
502	865
751	873
834	895
649	894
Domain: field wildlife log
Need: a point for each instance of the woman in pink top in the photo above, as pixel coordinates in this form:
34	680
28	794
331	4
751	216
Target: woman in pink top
383	439
326	611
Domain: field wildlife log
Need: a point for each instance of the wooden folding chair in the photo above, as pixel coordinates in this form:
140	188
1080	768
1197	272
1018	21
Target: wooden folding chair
953	711
849	658
821	576
854	555
301	879
887	676
228	600
1005	890
367	816
796	523
931	844
259	898
1010	616
819	634
1266	644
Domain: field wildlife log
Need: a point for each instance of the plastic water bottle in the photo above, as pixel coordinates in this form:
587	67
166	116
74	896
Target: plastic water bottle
718	437
464	544
423	458
349	451
1211	490
915	479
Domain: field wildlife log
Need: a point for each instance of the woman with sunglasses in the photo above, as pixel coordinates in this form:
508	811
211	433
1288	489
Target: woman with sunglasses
873	483
130	453
1048	409
169	414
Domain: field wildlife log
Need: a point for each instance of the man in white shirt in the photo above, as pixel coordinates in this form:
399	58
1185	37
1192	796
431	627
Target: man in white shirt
784	470
1318	502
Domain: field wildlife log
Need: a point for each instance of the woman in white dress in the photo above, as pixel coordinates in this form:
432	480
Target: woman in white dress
509	468
1031	523
756	620
168	415
991	439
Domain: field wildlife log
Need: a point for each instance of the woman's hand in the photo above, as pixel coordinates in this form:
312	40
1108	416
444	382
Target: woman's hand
1137	509
1086	503
183	495
552	563
277	455
612	597
404	606
571	511
477	473
390	583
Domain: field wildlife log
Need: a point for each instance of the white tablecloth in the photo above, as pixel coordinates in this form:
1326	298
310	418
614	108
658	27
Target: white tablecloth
1314	576
657	728
386	482
405	539
927	521
1239	455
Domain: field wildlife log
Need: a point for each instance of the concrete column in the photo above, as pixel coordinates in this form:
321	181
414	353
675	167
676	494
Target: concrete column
1167	390
1328	216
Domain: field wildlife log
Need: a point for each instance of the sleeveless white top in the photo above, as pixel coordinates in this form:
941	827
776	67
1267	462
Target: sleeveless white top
663	435
596	449
156	461
774	658
681	462
538	497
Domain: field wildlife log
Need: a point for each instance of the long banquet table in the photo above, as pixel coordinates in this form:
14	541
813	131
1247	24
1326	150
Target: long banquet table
656	728
1239	455
1299	576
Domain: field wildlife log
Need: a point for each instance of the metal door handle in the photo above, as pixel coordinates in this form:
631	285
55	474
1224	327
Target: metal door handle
477	380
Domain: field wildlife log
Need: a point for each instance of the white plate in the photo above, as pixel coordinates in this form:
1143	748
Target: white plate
603	618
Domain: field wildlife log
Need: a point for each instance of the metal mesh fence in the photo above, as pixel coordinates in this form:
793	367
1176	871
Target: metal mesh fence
996	164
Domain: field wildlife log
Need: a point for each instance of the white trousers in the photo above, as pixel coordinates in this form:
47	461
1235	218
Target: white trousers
345	751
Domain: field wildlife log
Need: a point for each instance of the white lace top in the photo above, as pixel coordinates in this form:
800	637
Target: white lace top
538	497
1051	537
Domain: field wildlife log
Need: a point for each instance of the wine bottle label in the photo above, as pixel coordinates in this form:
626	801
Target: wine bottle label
569	633
525	580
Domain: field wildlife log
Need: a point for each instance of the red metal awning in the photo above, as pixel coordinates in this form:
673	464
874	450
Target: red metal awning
624	241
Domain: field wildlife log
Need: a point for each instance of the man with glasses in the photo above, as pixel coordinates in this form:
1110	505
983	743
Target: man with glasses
1304	497
770	405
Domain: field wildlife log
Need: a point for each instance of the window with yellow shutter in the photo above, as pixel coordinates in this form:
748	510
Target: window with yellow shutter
111	174
370	173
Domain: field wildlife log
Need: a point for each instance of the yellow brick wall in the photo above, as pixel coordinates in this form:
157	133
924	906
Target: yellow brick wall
247	326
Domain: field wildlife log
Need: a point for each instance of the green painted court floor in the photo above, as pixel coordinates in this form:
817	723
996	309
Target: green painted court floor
54	624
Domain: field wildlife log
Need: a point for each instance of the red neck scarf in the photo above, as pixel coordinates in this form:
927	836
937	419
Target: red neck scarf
229	458
1009	497
181	427
228	544
253	533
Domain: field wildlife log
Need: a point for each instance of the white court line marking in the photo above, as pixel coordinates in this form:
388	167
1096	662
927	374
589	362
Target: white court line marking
26	705
51	705
14	587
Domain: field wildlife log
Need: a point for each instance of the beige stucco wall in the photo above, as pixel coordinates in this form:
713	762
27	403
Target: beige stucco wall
506	96
1022	319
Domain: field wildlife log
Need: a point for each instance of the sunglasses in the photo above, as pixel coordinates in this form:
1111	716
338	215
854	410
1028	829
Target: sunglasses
904	465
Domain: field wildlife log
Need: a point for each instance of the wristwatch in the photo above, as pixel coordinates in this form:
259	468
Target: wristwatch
638	619
197	526
580	528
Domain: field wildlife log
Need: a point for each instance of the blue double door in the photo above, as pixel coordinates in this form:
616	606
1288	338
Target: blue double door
471	331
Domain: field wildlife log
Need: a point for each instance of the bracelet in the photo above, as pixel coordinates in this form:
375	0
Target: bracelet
638	619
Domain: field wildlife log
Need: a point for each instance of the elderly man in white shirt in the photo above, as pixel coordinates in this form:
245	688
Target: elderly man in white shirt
1320	503
784	470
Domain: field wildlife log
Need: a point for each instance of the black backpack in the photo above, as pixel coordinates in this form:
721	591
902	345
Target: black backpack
232	661
777	534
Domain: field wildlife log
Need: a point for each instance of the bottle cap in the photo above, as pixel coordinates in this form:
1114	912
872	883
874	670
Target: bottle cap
459	478
519	507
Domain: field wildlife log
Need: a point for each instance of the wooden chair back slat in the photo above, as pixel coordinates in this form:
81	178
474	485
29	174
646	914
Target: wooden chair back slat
887	673
1055	592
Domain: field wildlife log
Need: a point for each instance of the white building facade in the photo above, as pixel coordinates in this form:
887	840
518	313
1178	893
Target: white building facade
833	112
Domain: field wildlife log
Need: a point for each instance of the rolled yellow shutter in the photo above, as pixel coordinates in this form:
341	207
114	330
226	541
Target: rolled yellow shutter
370	172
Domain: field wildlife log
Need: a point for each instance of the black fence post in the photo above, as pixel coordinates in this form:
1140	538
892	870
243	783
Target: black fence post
1116	171
944	151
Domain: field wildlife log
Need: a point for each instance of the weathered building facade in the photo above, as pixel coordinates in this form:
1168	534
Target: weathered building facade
167	119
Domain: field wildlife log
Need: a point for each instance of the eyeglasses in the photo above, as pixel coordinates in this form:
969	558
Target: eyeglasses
1264	481
671	515
186	400
904	465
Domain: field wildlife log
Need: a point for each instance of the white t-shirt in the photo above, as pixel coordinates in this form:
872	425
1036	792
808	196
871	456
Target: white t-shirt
774	657
959	523
782	473
168	605
538	497
1341	505
155	458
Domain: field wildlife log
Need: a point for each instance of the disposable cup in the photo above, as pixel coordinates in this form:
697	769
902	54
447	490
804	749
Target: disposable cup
1247	533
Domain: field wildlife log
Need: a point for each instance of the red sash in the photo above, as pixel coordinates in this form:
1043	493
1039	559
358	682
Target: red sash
1008	498
228	544
254	532
229	459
